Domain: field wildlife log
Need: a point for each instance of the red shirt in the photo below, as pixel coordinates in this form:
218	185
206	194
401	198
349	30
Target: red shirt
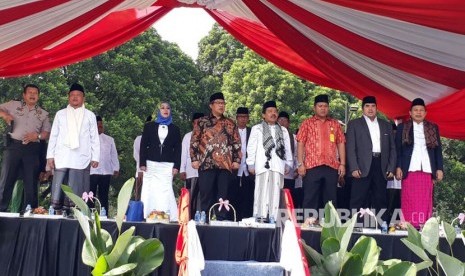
320	139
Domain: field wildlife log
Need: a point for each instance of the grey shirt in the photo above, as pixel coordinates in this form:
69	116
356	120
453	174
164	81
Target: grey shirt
26	120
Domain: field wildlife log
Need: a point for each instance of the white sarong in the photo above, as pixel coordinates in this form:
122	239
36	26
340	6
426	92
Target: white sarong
266	197
157	189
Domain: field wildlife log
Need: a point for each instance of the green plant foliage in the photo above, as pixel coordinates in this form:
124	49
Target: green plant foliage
362	259
427	242
129	255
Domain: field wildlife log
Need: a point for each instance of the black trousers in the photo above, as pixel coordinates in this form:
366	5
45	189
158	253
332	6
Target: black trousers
18	157
320	186
242	197
370	191
213	185
100	185
192	184
295	193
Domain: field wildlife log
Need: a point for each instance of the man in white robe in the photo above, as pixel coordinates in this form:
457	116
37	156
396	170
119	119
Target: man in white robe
269	157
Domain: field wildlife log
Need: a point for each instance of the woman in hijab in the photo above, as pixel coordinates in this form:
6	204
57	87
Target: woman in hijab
160	158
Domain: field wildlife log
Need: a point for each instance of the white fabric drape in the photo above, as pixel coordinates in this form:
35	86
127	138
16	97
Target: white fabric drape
291	260
157	189
195	258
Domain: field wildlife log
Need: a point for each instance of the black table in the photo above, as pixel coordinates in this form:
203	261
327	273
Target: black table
32	246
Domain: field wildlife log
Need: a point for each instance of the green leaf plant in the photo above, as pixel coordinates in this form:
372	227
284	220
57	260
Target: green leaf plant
362	259
426	246
129	255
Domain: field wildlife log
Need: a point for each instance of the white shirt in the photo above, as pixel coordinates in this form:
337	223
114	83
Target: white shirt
162	133
186	162
375	135
109	162
256	153
135	153
243	165
420	158
89	144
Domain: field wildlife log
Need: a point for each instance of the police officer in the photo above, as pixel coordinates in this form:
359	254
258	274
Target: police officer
30	125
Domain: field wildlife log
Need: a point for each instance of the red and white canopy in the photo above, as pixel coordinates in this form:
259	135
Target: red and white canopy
393	49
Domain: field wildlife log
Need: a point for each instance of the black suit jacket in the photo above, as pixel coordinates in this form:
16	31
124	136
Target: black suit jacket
404	152
151	148
359	148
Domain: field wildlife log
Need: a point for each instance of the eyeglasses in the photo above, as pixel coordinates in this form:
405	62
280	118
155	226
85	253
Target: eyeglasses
219	102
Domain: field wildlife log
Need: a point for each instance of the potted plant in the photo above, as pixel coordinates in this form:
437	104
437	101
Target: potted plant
129	254
361	259
426	246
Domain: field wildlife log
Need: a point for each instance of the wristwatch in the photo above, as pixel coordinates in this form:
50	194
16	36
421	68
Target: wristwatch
299	164
39	137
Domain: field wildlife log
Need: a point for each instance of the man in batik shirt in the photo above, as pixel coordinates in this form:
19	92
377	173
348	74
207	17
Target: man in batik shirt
215	151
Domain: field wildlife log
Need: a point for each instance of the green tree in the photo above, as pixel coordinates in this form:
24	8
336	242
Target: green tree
217	51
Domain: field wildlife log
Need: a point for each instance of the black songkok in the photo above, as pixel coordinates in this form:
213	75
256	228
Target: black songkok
242	110
418	101
216	96
321	99
268	104
76	86
283	114
197	115
368	99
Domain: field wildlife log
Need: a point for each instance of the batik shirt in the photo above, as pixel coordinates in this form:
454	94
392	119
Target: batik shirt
321	139
215	143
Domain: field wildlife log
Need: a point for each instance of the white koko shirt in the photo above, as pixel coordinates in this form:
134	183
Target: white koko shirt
89	143
109	162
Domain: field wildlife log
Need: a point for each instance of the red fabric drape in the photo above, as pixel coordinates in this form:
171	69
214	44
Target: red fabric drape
446	15
111	31
181	241
383	54
267	45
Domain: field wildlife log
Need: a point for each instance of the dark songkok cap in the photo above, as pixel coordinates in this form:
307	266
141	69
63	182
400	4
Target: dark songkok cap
76	86
268	104
99	119
216	96
321	99
197	115
418	101
283	114
242	110
368	99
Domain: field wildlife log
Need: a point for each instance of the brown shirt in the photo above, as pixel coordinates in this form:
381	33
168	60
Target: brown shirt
215	143
26	120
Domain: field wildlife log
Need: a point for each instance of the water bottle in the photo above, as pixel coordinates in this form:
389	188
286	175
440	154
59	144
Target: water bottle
28	210
203	217
197	217
103	213
384	227
51	211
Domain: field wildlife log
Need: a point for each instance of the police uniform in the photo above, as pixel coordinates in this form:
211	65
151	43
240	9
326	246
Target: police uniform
19	157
